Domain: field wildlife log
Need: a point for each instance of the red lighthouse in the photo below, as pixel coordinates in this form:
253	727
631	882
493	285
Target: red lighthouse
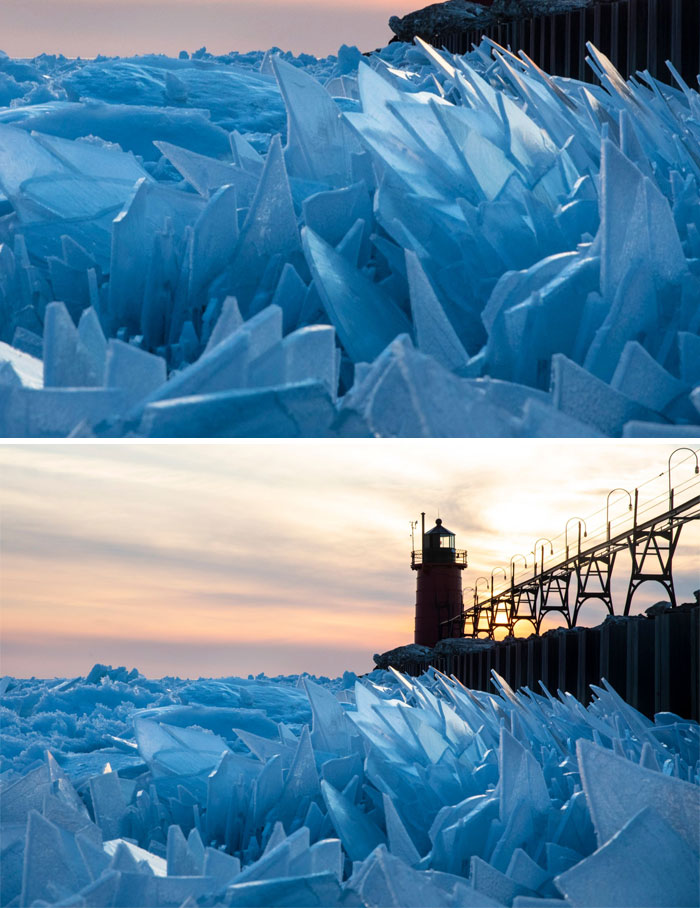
439	566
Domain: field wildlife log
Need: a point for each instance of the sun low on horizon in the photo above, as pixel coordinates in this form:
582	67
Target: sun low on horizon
236	559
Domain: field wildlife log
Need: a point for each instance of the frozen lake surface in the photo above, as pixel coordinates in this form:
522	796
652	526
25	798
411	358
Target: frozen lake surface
403	244
118	790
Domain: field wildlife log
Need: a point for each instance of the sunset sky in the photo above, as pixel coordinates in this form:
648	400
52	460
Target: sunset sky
123	27
278	557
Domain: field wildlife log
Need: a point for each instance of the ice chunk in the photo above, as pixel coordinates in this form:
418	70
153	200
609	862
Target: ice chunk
642	378
645	863
289	296
400	843
67	361
53	868
581	395
179	860
366	320
319	145
659	430
302	784
689	353
56	412
293	411
93	340
156	863
28	368
148	210
434	333
208	174
170	750
221	867
494	884
306	354
408	394
617	790
225	365
136	372
332	214
270	228
229	320
331	730
384	879
520	779
318	890
108	804
356	831
522	869
210	246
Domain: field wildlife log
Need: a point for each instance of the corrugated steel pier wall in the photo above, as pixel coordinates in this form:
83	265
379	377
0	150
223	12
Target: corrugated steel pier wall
652	662
635	35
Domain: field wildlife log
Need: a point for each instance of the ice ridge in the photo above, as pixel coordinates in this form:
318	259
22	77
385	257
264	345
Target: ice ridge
382	791
408	244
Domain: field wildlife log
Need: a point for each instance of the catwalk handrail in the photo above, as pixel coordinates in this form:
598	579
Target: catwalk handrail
677	514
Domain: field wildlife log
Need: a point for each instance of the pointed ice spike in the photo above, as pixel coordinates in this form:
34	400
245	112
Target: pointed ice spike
230	320
356	831
67	363
212	243
302	780
92	337
642	378
581	395
331	728
494	884
275	863
134	371
180	861
365	319
434	333
289	296
109	804
400	843
269	229
319	144
225	366
278	836
222	867
244	154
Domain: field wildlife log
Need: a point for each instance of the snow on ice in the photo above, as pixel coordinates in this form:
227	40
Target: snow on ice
404	244
380	791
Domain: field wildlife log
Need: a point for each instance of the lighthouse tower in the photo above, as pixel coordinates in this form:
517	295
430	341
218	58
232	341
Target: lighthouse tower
439	567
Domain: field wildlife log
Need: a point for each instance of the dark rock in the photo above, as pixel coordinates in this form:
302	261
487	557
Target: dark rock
658	608
402	655
454	15
454	646
460	15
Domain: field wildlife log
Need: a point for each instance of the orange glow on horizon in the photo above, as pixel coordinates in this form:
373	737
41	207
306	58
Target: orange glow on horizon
188	559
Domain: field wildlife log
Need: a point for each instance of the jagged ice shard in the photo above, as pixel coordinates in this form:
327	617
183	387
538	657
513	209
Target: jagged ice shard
408	243
116	790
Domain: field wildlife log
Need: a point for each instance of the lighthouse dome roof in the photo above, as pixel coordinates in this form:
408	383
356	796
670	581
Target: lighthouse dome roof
439	530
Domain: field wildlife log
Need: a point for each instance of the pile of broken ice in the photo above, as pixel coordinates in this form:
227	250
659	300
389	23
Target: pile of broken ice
433	245
401	792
